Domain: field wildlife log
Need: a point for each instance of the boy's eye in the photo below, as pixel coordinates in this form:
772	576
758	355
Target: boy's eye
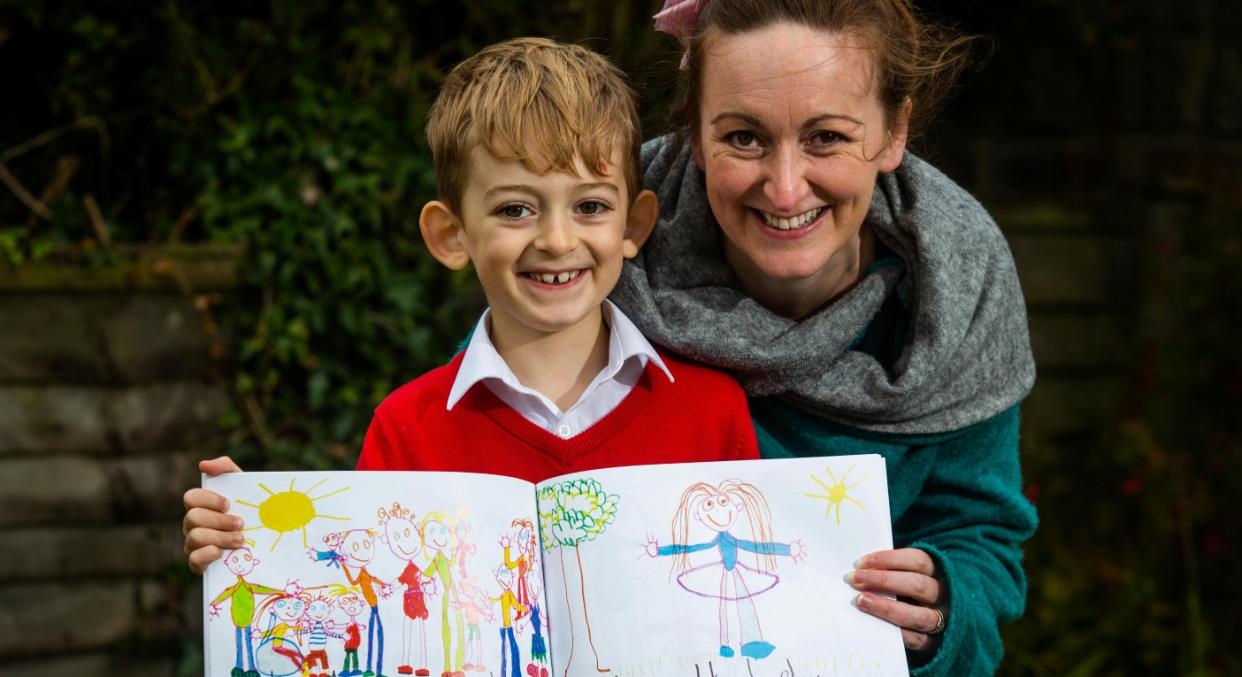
514	211
592	208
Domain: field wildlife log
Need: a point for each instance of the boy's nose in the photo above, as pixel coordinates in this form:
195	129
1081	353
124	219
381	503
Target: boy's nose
556	235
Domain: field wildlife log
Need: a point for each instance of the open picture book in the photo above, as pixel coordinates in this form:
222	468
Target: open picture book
731	568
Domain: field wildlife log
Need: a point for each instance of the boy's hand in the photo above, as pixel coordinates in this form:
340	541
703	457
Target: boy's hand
207	529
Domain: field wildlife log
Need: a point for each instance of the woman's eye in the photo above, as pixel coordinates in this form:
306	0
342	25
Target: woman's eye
742	139
592	208
514	211
825	138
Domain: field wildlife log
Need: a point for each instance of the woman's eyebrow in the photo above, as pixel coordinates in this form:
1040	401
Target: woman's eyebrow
755	122
738	115
830	116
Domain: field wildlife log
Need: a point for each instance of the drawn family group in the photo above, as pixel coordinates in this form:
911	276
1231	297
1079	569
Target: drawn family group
295	629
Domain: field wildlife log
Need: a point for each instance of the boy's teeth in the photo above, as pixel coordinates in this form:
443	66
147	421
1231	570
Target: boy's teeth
554	278
791	223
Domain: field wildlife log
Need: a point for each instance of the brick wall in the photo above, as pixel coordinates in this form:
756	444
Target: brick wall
108	395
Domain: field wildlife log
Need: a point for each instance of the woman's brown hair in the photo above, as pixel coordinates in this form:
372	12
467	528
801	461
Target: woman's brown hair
915	59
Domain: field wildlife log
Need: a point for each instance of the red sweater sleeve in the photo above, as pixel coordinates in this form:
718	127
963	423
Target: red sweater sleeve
375	447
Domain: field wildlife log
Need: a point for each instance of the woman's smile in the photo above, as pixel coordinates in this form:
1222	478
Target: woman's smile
789	228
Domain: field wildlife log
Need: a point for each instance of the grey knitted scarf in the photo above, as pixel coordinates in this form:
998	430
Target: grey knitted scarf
967	355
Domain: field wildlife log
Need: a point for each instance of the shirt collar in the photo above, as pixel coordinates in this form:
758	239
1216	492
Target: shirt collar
481	360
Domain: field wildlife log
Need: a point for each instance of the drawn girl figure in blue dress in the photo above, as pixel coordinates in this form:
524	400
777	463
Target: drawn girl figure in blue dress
731	506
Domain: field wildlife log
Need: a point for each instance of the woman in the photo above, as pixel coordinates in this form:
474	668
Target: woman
866	303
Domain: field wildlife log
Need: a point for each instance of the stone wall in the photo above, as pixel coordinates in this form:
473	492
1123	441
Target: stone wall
108	395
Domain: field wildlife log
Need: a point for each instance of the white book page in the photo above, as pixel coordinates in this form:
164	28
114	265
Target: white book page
428	548
725	569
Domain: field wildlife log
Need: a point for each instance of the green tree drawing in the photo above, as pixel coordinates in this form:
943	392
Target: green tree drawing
570	514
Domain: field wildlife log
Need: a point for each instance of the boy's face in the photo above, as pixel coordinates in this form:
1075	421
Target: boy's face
547	248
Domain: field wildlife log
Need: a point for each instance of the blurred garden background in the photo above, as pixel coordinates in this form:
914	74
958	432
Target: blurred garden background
208	245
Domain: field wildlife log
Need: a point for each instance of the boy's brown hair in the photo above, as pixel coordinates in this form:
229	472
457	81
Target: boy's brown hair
536	101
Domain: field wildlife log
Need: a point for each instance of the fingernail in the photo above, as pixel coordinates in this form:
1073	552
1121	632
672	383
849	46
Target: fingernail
862	601
861	562
237	523
851	578
238	540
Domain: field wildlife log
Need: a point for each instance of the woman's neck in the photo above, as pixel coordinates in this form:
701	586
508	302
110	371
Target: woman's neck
560	364
796	298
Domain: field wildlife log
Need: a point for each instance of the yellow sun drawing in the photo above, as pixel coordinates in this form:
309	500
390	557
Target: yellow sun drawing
290	510
838	492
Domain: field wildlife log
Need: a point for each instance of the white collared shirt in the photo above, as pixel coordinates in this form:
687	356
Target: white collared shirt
628	355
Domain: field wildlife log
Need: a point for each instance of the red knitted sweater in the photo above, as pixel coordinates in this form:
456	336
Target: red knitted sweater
700	417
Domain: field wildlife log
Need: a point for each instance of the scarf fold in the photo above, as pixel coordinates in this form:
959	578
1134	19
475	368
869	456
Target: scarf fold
967	354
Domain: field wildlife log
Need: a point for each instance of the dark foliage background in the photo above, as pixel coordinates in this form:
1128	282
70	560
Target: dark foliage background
295	128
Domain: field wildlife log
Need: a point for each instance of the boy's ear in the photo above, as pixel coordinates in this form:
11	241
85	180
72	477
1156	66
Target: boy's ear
442	231
640	222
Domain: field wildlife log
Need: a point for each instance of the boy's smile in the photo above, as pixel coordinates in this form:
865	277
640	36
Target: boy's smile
547	248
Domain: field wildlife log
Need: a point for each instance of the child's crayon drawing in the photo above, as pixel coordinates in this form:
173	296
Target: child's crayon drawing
401	535
836	493
241	596
730	602
731	506
439	534
509	658
571	513
289	510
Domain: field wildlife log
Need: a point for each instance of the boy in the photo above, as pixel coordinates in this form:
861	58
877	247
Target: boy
536	152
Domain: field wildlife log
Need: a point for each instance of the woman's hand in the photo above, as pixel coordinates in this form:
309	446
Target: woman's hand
207	529
910	574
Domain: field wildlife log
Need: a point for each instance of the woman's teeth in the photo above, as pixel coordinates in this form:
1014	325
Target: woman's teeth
792	222
554	278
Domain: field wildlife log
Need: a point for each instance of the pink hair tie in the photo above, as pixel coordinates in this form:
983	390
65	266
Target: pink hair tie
677	18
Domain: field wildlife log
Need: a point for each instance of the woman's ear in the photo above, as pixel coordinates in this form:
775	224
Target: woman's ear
696	151
895	150
443	233
640	222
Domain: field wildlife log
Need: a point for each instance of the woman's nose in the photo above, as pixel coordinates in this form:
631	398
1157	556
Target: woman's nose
785	185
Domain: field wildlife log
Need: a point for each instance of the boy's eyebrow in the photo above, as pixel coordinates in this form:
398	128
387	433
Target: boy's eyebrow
513	188
523	188
601	184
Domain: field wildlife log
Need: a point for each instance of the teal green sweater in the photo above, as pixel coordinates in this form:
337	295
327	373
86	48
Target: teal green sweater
956	496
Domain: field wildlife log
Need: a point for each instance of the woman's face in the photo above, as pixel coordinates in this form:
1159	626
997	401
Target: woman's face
791	137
